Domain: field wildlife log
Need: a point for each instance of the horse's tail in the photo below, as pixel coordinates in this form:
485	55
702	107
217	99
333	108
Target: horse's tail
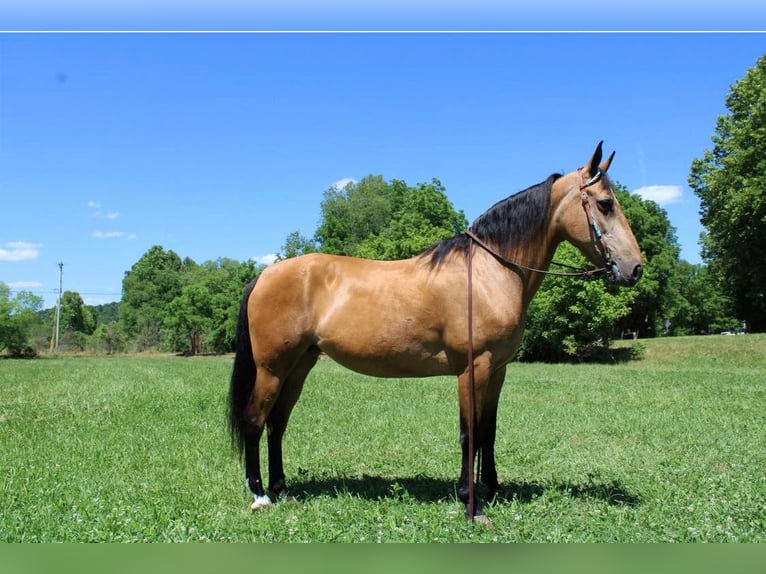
242	375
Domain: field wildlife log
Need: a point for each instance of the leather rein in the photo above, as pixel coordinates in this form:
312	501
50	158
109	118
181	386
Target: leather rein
472	238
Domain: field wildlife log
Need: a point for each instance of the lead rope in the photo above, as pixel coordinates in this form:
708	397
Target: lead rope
471	397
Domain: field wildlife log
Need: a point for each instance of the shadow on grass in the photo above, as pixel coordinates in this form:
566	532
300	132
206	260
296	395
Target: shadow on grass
427	489
591	354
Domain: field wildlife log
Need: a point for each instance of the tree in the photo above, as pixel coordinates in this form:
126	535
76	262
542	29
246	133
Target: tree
180	305
295	245
571	318
75	315
381	220
702	308
655	297
150	285
77	321
225	280
420	217
187	318
18	316
109	337
352	214
730	181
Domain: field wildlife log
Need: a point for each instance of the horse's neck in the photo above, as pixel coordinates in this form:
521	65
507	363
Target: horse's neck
552	237
539	251
540	257
519	272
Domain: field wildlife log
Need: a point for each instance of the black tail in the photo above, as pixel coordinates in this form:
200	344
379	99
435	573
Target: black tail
242	375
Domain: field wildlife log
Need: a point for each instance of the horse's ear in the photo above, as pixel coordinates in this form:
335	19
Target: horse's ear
596	159
605	166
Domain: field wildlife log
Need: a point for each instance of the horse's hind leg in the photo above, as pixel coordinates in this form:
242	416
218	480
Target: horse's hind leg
280	414
266	390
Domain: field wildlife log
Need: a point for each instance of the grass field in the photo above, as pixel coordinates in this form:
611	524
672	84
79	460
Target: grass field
671	447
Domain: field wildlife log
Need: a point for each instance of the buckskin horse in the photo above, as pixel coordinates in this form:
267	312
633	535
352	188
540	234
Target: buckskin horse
458	308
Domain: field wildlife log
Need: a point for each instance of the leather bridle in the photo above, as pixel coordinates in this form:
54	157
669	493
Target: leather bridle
577	271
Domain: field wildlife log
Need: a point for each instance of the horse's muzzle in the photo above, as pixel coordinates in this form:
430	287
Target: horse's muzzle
625	277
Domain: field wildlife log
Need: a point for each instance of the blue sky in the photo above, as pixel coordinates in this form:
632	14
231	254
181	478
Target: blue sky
219	145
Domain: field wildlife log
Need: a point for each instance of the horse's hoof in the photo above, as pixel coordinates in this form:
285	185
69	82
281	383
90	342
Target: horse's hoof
483	520
479	517
260	502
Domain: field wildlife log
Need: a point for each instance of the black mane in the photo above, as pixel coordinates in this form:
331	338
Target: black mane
509	223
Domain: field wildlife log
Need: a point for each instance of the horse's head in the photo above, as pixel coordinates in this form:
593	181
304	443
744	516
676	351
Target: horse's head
593	221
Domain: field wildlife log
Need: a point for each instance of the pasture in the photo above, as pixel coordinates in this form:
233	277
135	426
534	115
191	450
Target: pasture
671	447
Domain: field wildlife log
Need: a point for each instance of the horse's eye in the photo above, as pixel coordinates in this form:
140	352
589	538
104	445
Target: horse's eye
606	205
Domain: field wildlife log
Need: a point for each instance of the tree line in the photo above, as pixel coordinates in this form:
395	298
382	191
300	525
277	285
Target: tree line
178	305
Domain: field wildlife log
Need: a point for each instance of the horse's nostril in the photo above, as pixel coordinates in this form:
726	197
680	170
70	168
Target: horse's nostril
637	272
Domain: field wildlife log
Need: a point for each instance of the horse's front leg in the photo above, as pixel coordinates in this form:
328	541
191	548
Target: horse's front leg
471	397
488	431
467	481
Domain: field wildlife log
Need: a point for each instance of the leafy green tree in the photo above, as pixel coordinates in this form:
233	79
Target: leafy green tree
150	285
381	220
109	337
75	315
571	318
19	315
730	181
655	298
296	244
352	214
702	307
181	305
420	217
187	318
225	280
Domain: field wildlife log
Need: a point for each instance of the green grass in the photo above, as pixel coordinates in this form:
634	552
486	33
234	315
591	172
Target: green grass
668	448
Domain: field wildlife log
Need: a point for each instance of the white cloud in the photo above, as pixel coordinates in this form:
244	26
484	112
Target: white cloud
342	183
98	234
108	234
25	284
96	213
20	251
267	259
661	194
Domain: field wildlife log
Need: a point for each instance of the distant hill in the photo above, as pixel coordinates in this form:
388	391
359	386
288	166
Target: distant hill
104	314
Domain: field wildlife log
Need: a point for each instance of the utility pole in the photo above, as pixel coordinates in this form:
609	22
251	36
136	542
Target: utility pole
58	306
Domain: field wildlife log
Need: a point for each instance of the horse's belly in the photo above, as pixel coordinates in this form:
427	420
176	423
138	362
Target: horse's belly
383	358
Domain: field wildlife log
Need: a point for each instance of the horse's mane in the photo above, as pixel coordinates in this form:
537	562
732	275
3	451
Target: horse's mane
506	225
